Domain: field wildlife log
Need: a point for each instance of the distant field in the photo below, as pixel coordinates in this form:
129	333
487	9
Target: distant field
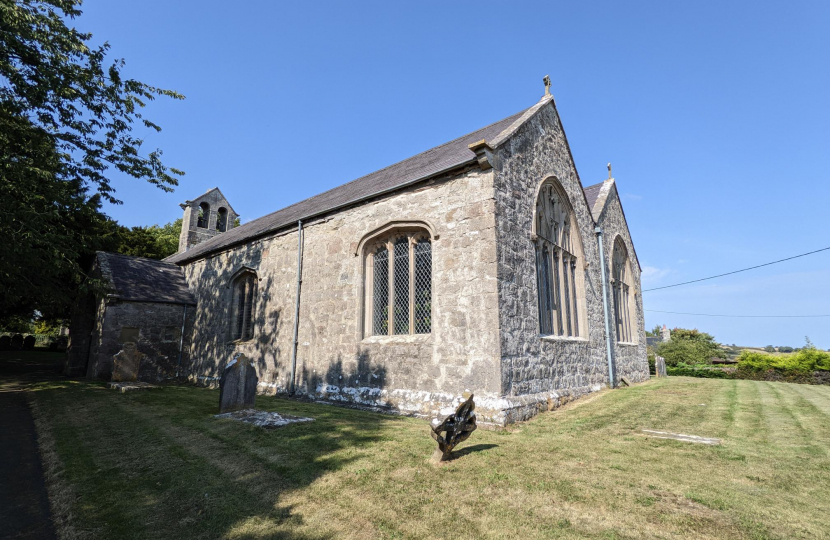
158	465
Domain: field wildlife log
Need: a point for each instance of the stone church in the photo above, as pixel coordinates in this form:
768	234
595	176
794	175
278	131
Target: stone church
480	266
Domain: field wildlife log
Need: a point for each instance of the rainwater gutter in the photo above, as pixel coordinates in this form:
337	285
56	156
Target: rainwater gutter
611	382
297	306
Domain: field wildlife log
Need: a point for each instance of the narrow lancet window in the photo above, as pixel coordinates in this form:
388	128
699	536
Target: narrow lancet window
423	287
620	281
242	327
380	319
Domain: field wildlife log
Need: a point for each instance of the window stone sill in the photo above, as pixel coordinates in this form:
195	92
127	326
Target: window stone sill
563	339
627	343
403	338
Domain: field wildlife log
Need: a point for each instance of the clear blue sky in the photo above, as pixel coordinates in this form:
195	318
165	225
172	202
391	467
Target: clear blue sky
715	116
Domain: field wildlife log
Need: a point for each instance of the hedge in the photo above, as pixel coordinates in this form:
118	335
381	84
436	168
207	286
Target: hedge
809	366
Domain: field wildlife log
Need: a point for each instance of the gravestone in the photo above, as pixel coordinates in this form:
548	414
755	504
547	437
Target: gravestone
237	386
126	363
17	342
456	428
5	343
660	366
29	343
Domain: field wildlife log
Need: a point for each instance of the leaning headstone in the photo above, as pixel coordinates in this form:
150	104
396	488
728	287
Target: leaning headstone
5	343
660	366
126	363
17	342
29	343
455	428
237	386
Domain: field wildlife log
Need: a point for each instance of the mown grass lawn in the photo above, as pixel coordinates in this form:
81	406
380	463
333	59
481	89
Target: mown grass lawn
158	465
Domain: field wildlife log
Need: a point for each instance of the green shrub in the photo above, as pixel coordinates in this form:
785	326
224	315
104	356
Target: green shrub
802	362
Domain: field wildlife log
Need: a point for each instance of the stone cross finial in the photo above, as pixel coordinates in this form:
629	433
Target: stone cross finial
546	80
609	171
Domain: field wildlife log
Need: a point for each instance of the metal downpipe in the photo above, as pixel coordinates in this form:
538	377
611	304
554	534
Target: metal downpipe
297	306
611	380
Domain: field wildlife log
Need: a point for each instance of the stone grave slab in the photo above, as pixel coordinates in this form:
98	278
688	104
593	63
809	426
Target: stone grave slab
130	386
237	385
660	366
263	419
126	363
681	437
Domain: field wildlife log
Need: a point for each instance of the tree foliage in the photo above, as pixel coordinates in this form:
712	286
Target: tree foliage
67	117
690	347
154	242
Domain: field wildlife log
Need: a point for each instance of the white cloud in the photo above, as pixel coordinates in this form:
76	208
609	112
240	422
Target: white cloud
652	273
632	197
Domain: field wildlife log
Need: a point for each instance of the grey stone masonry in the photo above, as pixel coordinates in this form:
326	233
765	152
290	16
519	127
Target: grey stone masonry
194	232
155	328
540	371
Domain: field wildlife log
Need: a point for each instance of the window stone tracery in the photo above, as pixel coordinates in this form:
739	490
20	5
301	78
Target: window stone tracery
558	264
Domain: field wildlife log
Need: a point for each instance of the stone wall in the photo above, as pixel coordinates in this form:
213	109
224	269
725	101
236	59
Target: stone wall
419	373
544	371
158	328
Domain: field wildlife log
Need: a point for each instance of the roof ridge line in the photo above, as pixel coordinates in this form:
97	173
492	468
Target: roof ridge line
375	171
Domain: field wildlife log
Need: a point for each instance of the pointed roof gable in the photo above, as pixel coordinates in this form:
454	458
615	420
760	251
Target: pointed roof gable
205	194
423	166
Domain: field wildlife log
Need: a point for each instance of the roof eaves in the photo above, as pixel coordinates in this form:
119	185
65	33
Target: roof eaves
333	209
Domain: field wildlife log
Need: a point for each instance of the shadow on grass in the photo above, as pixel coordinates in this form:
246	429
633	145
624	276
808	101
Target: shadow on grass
457	454
156	463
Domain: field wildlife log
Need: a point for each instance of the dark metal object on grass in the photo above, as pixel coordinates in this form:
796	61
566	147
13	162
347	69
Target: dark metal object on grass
455	429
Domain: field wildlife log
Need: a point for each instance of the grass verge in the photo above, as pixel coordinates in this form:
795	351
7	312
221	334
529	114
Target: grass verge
158	465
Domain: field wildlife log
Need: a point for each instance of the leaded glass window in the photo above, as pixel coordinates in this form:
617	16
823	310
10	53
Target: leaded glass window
620	283
242	305
399	284
558	264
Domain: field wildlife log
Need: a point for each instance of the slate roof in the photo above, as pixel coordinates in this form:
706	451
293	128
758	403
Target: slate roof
440	159
591	194
138	279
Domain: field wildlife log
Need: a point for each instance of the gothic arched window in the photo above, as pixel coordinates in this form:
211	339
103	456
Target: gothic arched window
221	219
398	284
204	215
621	284
242	306
559	264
